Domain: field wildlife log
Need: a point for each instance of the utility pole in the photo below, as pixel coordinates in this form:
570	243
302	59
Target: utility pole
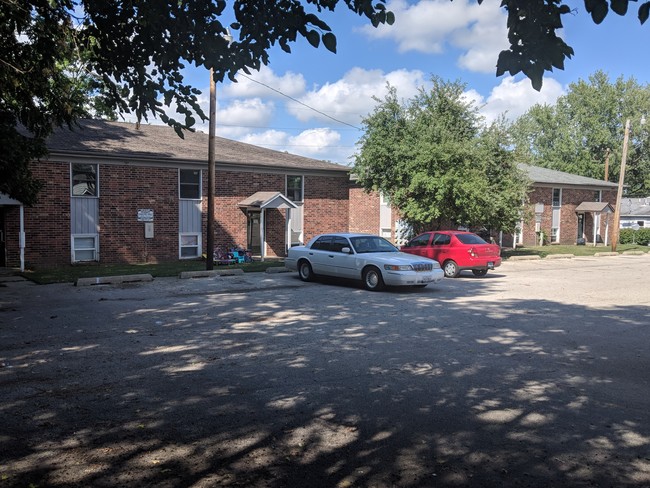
607	164
619	194
209	261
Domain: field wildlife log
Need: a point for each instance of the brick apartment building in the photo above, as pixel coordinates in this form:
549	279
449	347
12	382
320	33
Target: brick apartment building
566	209
117	193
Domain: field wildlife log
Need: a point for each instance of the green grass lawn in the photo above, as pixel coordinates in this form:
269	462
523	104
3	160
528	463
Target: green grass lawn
64	274
587	250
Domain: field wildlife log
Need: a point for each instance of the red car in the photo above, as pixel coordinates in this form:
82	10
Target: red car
456	251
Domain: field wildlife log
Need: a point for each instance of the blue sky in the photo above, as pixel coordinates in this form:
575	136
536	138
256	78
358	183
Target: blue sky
457	40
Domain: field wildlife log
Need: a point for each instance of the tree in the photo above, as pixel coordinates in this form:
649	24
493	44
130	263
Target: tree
437	162
584	130
133	54
535	46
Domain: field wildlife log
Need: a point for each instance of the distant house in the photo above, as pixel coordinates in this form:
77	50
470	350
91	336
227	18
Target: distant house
635	213
566	208
117	193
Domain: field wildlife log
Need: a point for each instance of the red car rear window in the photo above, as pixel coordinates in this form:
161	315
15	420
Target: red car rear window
470	239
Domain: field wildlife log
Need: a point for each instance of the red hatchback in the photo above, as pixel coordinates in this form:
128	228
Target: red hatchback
456	251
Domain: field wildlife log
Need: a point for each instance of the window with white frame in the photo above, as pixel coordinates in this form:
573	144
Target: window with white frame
555	215
189	184
84	247
294	188
84	181
190	246
557	197
597	196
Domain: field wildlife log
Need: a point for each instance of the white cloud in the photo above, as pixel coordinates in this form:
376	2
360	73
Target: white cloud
292	84
433	26
316	143
515	97
351	98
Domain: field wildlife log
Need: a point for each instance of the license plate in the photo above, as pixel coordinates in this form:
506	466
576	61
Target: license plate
491	265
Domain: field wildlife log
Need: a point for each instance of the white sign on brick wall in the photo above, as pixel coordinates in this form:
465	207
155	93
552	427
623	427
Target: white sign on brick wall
145	215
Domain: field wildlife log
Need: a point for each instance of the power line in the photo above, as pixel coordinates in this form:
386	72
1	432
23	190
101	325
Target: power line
298	101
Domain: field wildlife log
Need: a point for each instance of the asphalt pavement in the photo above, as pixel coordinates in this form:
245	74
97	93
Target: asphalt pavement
536	375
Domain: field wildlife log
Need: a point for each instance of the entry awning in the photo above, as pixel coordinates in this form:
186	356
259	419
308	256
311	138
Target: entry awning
597	207
267	199
7	200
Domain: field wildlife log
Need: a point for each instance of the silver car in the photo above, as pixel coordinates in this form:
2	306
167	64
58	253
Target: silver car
369	258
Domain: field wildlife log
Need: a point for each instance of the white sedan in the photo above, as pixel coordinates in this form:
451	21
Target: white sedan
369	258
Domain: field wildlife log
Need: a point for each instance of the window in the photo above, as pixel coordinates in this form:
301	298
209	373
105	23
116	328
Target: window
422	240
338	243
190	184
294	188
441	239
84	248
640	223
190	245
322	243
597	196
557	197
84	180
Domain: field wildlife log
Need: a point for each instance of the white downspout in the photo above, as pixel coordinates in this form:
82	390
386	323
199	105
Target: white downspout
262	235
21	239
288	232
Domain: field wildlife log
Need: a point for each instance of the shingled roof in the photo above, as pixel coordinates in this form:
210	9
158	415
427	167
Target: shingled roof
635	207
547	176
160	142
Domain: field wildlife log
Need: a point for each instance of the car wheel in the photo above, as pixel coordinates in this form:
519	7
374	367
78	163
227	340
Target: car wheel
479	272
304	271
451	269
372	279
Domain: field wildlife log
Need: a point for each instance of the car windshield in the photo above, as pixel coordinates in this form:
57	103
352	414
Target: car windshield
470	239
365	244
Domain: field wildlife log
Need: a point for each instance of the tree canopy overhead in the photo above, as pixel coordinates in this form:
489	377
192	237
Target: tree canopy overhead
437	163
133	52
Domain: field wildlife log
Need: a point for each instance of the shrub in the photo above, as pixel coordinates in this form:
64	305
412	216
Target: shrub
631	236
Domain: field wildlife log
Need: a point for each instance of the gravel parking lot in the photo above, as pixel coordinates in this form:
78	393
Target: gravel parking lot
536	375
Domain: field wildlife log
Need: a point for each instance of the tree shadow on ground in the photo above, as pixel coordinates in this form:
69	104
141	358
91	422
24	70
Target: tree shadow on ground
361	389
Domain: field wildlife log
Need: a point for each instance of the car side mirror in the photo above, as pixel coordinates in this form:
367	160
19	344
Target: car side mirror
346	250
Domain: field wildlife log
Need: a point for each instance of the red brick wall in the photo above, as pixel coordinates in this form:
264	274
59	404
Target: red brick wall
364	211
47	224
326	205
123	190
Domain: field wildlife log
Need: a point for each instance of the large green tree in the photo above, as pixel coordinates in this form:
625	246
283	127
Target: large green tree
438	163
583	131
